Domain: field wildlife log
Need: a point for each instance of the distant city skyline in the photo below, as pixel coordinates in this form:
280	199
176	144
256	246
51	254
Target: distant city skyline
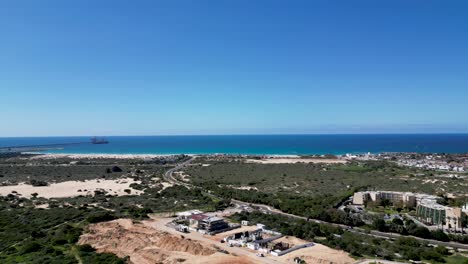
233	67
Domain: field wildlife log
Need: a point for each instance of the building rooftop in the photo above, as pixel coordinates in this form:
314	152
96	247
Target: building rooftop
433	204
213	219
189	213
198	217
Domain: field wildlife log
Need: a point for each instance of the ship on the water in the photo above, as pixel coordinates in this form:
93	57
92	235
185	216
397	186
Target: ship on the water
96	140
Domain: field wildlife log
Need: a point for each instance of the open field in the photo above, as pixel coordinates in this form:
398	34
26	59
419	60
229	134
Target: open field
318	254
317	178
53	170
295	160
114	184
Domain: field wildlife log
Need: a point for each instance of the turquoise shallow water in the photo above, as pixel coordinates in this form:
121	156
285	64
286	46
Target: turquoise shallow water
257	144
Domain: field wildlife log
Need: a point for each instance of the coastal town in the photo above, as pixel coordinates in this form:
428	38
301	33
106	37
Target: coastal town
438	162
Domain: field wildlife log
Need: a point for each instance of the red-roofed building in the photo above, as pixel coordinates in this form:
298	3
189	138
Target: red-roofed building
194	219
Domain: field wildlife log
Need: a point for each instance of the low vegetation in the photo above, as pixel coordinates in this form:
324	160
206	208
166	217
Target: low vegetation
328	187
405	248
29	235
315	179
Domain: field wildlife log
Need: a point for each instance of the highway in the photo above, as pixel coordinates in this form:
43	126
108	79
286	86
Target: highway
168	176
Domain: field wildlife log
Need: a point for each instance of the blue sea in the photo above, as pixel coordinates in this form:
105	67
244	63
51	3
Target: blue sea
255	144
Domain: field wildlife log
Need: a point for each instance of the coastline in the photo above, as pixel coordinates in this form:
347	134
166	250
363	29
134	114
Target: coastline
294	145
45	155
41	155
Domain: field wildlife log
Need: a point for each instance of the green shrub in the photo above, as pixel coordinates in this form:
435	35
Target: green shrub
100	217
31	247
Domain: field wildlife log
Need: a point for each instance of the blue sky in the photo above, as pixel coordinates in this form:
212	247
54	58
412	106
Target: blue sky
232	67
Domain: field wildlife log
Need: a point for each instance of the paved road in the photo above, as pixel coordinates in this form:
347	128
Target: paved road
170	178
265	208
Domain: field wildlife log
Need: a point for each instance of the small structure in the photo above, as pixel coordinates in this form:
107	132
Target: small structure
278	252
182	228
186	214
244	222
263	243
211	224
242	238
196	218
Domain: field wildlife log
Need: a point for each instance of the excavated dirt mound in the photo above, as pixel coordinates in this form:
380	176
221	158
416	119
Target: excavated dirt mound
147	245
173	243
318	254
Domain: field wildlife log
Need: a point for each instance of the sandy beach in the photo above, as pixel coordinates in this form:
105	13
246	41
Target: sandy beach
283	160
99	156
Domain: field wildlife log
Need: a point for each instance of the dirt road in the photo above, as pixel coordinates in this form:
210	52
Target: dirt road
160	224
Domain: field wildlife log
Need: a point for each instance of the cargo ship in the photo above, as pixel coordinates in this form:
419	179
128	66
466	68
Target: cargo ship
96	140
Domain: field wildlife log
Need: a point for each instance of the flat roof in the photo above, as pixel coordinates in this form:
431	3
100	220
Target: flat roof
188	213
198	217
213	219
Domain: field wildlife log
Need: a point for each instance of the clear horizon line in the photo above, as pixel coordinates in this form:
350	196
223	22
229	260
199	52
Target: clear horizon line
248	134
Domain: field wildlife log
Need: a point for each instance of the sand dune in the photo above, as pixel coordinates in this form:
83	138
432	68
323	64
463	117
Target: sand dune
73	188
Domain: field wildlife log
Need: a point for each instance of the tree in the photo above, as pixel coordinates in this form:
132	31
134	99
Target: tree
397	221
421	232
385	203
439	235
380	225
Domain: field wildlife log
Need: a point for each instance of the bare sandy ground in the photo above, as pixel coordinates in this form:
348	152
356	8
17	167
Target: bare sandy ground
295	160
242	187
147	245
73	188
154	242
317	254
165	186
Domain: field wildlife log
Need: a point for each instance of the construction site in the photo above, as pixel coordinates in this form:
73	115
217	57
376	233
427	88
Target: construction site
257	237
200	237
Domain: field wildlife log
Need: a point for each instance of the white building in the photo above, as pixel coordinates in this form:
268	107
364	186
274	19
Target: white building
187	214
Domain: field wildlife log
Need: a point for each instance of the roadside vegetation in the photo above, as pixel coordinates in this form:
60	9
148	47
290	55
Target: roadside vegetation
320	189
358	245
